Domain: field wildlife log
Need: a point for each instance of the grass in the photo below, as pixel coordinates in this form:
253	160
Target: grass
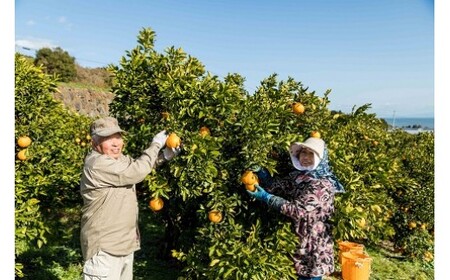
83	86
61	258
386	265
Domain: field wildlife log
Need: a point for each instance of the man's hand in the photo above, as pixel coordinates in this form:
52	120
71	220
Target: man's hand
170	153
160	138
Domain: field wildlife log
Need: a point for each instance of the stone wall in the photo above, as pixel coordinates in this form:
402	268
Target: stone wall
93	103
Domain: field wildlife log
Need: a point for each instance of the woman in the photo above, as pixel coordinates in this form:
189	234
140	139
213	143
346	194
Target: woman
307	196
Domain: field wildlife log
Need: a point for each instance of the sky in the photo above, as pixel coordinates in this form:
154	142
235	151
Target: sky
379	52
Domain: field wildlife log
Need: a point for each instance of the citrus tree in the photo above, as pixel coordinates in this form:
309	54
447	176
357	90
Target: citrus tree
51	143
414	197
212	226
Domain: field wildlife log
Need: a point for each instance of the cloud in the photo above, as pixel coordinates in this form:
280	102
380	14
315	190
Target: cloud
62	19
31	22
35	43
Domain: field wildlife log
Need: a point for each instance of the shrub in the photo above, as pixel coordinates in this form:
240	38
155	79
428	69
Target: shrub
46	182
56	62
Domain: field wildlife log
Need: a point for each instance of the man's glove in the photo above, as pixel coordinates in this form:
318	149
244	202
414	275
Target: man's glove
264	177
260	194
160	138
170	153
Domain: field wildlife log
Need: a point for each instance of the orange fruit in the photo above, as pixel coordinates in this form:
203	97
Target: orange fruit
412	225
173	141
24	141
249	178
315	134
22	154
215	216
298	108
156	204
204	131
251	188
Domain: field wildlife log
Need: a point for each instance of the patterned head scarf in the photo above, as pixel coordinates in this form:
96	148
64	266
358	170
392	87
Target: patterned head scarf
323	170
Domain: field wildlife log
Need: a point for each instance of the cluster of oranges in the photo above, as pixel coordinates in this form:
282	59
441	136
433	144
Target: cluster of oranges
23	142
249	179
174	141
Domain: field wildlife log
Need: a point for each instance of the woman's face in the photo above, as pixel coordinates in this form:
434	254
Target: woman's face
111	145
306	157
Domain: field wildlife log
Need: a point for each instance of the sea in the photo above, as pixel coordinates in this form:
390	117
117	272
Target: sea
411	123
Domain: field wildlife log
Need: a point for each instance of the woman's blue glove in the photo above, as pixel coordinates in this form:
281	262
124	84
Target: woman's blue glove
264	177
260	194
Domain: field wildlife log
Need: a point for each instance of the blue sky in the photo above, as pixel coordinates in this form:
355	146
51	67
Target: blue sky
379	52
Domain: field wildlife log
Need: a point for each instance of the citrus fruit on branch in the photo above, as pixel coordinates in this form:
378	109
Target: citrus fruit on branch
215	216
173	141
156	204
298	108
24	141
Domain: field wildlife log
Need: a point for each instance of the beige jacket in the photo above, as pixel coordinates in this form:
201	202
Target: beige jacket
109	219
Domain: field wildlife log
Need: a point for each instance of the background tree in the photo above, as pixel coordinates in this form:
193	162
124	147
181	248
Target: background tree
57	62
173	90
47	177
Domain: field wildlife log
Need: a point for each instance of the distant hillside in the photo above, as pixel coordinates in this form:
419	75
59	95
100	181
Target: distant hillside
85	100
89	94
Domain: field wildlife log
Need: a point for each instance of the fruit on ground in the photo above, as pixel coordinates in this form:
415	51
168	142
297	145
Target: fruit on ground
298	108
24	141
156	204
173	141
315	134
215	216
22	154
204	131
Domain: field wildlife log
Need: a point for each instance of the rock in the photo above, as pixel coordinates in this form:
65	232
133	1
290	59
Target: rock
85	101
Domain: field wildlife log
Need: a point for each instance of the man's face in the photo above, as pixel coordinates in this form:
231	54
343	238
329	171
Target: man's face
306	157
111	145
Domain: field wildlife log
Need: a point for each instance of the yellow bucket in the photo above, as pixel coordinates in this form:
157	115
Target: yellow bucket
347	246
357	266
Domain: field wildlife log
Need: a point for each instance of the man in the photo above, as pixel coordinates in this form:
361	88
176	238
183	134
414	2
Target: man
109	223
